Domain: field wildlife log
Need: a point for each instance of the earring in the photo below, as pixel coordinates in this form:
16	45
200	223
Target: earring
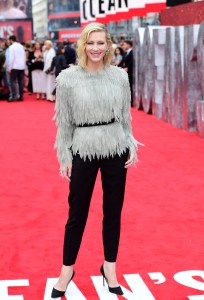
107	51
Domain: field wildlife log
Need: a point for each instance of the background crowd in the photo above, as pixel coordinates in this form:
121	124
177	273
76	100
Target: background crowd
33	66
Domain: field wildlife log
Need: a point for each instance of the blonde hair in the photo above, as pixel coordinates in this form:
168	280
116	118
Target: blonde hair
48	42
81	44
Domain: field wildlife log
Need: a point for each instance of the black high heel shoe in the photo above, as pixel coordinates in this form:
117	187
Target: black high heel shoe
58	294
115	290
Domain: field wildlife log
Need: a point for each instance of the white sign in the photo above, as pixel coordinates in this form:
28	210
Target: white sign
5	31
111	10
138	290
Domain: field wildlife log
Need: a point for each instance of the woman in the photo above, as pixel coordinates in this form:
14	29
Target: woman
118	57
3	78
38	76
94	132
48	56
29	56
8	43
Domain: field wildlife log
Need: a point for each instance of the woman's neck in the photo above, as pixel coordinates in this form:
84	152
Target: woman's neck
95	67
37	52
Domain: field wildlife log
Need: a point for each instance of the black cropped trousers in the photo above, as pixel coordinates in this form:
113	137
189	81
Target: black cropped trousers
113	176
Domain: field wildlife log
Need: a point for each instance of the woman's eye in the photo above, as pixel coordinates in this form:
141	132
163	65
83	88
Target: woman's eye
90	43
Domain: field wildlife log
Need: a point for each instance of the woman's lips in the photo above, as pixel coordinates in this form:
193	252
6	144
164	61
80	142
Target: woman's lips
96	54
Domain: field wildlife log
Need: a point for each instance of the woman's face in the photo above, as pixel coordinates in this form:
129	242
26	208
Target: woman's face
48	46
37	46
117	51
8	43
96	46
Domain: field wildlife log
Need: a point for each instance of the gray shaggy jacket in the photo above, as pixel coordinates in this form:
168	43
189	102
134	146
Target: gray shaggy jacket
84	97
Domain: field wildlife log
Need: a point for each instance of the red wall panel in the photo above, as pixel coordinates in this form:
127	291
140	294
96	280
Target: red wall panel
185	14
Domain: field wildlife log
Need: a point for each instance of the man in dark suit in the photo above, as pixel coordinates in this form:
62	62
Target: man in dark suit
128	64
70	54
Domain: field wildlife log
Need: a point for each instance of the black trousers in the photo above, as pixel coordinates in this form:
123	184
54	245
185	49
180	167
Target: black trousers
113	175
17	76
30	82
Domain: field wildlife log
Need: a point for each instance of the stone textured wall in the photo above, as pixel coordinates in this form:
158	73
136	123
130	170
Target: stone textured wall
169	74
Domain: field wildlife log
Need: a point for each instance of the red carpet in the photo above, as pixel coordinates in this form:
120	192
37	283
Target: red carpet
163	217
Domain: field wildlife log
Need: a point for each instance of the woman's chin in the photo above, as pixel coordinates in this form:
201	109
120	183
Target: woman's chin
96	58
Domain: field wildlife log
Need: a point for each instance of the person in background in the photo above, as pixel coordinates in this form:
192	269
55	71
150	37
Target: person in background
128	64
38	76
29	56
16	67
93	133
2	61
48	55
3	77
70	54
121	41
118	57
7	66
58	63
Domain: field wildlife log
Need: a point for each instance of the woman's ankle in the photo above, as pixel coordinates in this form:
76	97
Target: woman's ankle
109	265
110	272
67	270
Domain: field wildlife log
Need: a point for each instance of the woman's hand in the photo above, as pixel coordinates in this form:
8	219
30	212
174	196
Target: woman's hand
66	172
131	160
